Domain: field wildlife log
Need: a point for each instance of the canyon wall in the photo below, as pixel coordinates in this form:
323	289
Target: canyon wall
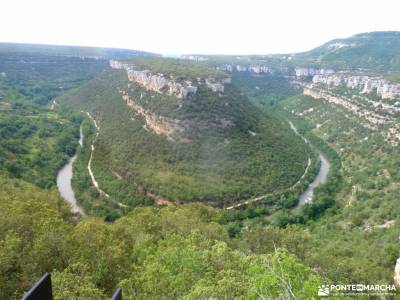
253	68
365	84
161	83
171	128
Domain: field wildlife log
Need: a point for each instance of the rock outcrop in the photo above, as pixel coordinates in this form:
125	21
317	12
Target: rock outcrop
174	130
365	110
310	72
171	128
253	68
365	84
157	83
161	83
373	118
215	86
194	57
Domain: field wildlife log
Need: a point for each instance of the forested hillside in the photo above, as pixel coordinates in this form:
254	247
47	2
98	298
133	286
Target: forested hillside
214	147
151	253
69	51
35	139
373	51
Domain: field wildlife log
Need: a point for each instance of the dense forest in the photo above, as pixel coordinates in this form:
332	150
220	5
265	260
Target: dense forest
35	139
152	253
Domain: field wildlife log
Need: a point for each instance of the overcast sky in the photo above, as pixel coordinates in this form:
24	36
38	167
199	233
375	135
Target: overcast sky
194	26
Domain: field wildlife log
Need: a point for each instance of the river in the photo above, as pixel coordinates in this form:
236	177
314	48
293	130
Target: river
64	178
307	195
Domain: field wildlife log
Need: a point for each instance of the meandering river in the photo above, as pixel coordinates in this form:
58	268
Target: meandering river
64	178
307	195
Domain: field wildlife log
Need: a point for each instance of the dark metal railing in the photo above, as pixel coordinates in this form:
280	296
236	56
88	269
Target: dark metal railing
117	295
42	290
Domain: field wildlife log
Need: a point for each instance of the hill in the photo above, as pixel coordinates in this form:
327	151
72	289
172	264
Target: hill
72	51
373	50
185	134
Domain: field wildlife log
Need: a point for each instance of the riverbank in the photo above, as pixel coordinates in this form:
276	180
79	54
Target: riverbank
64	184
307	195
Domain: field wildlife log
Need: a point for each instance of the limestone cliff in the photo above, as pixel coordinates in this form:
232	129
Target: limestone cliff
365	110
175	130
365	84
171	128
309	72
162	83
252	68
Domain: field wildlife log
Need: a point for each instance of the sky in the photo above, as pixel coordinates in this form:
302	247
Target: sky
192	26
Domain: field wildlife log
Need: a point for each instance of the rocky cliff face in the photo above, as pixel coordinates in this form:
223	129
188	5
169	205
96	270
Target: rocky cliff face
369	117
253	68
175	130
310	72
365	84
161	83
171	128
157	83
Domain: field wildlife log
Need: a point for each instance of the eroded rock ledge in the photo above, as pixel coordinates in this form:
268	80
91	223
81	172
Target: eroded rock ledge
253	68
175	130
161	83
365	84
373	119
169	127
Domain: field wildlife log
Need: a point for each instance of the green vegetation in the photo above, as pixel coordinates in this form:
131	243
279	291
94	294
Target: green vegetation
176	68
35	139
214	163
350	235
265	89
374	50
269	249
151	253
352	220
67	51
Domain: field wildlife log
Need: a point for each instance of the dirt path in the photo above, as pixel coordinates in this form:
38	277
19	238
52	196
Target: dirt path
89	166
259	198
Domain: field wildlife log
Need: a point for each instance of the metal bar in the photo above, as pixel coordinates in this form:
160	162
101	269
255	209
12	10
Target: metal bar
117	295
41	290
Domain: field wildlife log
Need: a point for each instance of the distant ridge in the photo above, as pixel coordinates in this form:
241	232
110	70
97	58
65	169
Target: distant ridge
75	51
378	50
